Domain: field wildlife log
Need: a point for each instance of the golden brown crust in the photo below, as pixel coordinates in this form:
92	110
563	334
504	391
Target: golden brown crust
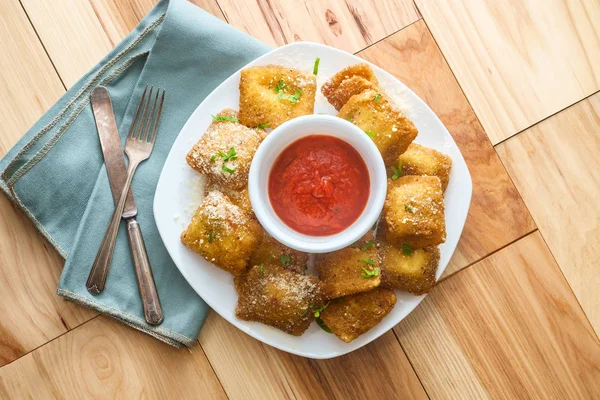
270	251
351	316
412	271
413	212
376	114
221	136
223	234
342	271
421	160
277	297
262	103
348	82
239	197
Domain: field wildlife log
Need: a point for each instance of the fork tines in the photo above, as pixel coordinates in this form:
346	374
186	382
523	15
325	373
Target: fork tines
144	128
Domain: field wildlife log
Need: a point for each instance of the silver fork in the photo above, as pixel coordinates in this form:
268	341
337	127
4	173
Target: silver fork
138	147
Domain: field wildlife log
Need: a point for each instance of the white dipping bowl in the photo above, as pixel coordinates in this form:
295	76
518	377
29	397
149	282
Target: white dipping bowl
273	146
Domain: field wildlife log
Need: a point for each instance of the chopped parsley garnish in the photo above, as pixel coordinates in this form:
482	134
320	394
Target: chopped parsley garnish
367	245
370	134
282	96
322	325
397	171
349	118
213	158
368	261
232	155
409	209
367	274
227	169
285	259
406	249
260	269
377	97
317	312
316	66
263	126
224	118
210	237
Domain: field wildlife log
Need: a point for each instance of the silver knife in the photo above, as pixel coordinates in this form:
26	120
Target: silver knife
114	159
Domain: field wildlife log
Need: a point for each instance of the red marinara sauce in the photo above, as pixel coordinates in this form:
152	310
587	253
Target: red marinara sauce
319	185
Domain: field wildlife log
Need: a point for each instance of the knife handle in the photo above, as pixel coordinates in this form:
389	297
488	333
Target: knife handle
150	301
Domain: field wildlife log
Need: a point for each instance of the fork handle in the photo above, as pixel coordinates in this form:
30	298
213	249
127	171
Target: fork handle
150	300
99	272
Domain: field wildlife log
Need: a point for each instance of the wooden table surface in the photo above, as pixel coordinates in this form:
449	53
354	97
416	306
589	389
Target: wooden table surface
517	313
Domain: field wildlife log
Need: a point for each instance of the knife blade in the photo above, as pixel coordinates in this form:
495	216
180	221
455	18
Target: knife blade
110	141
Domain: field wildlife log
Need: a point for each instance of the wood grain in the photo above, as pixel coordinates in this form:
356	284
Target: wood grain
31	312
248	369
518	62
508	327
105	359
497	215
349	25
555	166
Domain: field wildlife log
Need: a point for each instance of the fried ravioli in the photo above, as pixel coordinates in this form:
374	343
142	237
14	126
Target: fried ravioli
278	297
413	212
413	271
274	94
421	160
270	251
239	197
222	233
224	152
348	82
351	316
348	271
375	114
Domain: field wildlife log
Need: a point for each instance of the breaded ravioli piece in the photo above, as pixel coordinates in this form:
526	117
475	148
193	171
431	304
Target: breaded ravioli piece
222	233
225	151
270	251
274	94
366	241
348	82
413	212
421	160
351	316
275	296
348	271
375	113
411	270
239	197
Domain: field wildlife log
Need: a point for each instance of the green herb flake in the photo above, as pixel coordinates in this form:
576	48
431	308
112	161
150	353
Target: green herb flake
368	261
285	259
367	245
377	97
349	118
213	158
406	249
221	118
279	87
409	209
317	312
292	98
370	134
367	274
263	126
227	169
260	269
232	155
397	171
322	325
210	237
316	66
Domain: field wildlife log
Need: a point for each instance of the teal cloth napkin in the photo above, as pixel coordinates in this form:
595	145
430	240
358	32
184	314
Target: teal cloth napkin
56	172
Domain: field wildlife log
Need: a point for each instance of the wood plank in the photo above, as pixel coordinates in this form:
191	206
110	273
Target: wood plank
518	63
31	312
249	369
350	25
507	327
497	215
105	359
555	166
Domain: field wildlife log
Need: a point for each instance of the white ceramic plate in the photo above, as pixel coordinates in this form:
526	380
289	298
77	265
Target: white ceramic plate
179	192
